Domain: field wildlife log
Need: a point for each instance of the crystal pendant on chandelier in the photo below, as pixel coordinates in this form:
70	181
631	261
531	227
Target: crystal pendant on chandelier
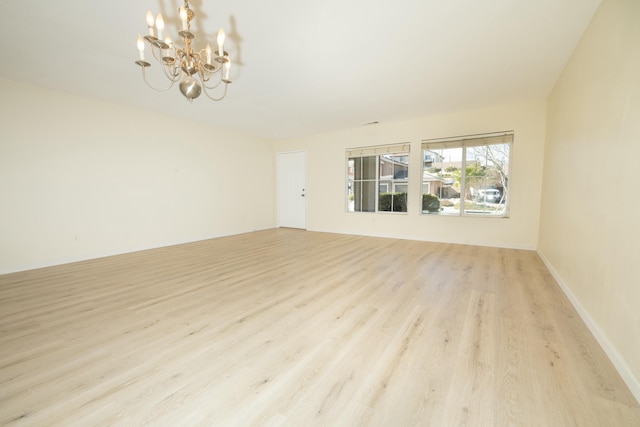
197	71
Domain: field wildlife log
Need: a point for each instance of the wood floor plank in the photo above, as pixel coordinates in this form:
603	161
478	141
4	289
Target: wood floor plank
288	327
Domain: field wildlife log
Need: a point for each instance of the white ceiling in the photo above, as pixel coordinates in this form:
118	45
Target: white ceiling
305	66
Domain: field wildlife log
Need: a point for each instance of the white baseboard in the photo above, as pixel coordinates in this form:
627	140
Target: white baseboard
616	358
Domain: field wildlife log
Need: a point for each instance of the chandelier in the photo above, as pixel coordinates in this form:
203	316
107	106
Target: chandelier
197	71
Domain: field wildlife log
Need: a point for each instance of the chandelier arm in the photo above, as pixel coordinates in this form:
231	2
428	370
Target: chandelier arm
204	84
214	86
144	77
205	76
172	73
204	89
155	54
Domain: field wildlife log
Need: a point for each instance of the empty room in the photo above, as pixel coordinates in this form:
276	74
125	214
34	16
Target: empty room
302	213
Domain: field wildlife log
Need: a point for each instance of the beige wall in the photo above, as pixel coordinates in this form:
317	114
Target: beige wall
590	227
326	178
80	179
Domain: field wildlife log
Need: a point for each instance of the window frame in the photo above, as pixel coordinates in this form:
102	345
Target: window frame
464	143
402	149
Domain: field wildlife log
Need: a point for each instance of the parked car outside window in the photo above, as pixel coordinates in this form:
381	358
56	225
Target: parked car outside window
488	195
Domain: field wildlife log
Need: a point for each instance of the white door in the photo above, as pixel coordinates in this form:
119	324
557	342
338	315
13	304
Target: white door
292	206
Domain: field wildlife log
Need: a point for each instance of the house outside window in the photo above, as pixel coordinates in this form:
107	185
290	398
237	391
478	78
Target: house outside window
467	175
377	178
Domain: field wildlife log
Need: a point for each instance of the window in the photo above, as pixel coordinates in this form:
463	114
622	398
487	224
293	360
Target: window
467	175
377	178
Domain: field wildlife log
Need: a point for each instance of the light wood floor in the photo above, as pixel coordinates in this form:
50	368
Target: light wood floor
295	328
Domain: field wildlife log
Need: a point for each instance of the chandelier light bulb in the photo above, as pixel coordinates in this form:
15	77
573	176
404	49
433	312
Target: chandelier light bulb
183	18
141	47
167	53
208	54
227	65
150	22
160	25
221	42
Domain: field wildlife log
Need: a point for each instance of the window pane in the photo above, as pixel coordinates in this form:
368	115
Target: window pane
351	204
368	196
400	202
486	179
400	187
393	177
392	202
355	168
385	201
360	188
364	196
363	167
441	181
357	195
368	167
350	184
